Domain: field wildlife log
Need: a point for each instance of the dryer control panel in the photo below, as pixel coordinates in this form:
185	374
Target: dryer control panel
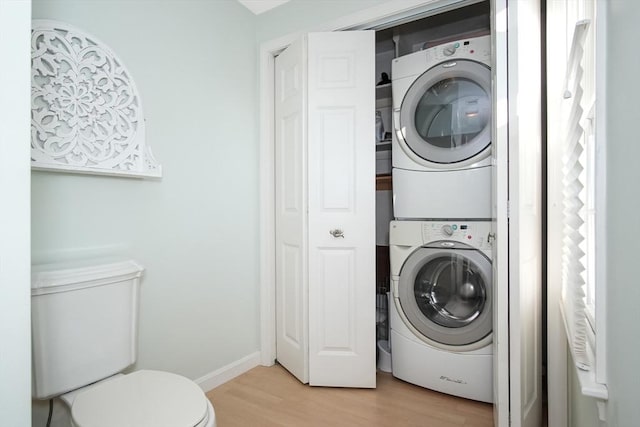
473	233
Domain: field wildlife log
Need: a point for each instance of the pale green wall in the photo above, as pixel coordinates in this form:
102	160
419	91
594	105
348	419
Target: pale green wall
196	229
623	204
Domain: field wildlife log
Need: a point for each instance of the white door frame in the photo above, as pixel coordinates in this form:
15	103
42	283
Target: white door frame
500	205
366	19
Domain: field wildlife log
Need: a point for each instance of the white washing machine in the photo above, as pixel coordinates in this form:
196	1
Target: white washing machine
441	144
441	315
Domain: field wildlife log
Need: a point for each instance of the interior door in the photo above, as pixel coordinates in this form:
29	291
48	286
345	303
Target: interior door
341	109
325	213
292	338
518	189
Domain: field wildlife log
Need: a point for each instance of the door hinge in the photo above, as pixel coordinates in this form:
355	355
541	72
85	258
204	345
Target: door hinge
491	238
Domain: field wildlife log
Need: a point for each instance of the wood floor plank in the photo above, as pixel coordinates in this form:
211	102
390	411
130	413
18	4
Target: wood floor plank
270	397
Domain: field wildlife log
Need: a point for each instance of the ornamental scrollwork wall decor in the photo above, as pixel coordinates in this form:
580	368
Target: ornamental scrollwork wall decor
86	113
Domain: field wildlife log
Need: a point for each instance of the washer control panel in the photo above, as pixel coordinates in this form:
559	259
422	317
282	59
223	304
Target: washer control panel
477	48
472	233
450	49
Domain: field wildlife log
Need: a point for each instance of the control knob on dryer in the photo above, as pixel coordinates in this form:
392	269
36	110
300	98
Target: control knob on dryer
447	230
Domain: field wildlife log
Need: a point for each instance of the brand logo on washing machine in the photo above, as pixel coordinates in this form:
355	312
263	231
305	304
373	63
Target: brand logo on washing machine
451	380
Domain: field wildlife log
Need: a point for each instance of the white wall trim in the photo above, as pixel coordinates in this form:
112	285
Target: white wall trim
220	376
267	207
368	18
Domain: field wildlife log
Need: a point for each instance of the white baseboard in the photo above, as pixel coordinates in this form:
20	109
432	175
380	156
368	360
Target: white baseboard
228	372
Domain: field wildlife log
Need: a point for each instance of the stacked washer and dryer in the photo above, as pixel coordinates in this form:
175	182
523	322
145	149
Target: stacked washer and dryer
441	273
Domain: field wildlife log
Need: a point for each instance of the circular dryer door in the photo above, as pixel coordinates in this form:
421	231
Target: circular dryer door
445	116
445	294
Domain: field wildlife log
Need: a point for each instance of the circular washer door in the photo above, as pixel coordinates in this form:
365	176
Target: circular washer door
445	295
445	116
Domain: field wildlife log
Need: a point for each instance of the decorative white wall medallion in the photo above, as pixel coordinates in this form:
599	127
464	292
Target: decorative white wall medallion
86	113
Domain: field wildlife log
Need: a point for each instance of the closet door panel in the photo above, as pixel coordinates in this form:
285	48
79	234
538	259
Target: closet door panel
292	342
342	209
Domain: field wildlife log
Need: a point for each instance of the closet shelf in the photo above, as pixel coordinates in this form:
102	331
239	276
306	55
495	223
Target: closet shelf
383	182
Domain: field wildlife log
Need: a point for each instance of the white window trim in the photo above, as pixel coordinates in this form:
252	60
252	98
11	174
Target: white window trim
600	324
589	386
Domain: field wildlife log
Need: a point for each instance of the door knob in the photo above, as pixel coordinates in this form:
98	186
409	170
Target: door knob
336	232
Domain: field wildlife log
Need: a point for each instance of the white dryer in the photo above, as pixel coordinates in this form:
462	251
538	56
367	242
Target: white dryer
441	315
441	144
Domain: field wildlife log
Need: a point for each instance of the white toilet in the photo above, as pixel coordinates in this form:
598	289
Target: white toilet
84	326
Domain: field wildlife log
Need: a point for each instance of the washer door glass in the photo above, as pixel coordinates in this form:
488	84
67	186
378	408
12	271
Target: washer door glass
450	291
445	116
446	294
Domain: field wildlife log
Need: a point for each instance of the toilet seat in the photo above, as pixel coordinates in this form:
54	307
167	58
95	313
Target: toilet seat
143	399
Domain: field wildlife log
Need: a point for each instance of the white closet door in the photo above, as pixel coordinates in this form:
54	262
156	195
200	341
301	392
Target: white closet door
341	111
325	209
292	342
517	325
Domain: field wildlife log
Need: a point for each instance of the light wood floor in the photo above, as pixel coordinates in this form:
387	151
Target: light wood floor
270	396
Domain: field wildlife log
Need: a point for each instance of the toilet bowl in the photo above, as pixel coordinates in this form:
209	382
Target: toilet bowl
142	399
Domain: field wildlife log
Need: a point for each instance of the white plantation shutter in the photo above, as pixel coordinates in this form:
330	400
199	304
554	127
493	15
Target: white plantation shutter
575	196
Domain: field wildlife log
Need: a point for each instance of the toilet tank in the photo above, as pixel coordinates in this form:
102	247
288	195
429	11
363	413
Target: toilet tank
84	320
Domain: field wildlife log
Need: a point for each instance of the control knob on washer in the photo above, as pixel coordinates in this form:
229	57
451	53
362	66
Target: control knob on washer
449	50
447	230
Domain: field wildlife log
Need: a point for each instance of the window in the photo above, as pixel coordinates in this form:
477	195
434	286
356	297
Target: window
583	206
575	201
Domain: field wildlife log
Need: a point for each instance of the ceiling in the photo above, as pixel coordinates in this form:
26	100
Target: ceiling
259	6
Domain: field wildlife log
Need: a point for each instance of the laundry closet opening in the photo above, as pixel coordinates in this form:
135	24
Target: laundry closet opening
433	187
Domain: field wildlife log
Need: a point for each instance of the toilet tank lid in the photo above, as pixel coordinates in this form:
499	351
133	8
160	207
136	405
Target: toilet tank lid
61	277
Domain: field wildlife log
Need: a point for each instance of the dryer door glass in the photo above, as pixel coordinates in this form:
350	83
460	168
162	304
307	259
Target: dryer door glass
445	116
452	112
450	291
